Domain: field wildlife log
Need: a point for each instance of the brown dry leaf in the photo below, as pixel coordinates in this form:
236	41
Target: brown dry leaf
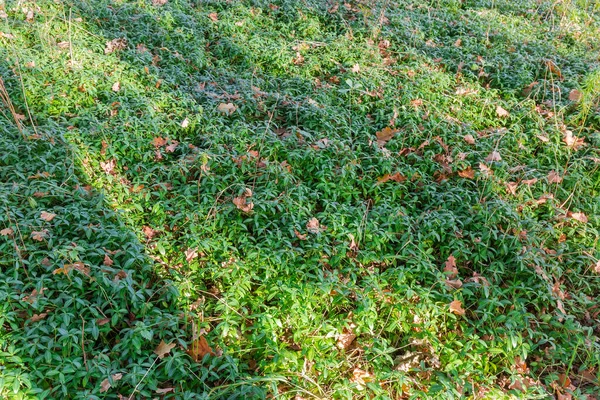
190	254
529	182
553	68
78	266
456	307
108	261
105	385
165	390
214	17
344	340
300	235
6	232
361	378
158	3
148	232
573	141
185	123
39	235
114	45
468	173
356	68
458	43
240	202
578	216
597	267
454	283
47	216
469	139
450	267
313	226
108	166
493	156
38	317
163	349
501	112
102	321
397	177
575	95
511	187
199	348
299	59
159	142
116	86
226	108
543	138
385	135
172	147
553	177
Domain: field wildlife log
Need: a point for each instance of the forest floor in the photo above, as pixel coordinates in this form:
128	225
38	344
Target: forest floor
300	199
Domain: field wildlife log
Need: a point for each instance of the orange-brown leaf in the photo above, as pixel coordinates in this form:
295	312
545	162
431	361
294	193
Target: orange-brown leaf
456	307
468	173
385	135
163	349
199	348
47	216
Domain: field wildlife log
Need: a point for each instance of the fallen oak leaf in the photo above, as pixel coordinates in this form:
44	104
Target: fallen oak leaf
361	378
6	232
573	141
575	95
165	390
396	177
241	204
107	261
553	177
493	156
106	384
501	112
38	317
213	16
300	235
159	142
313	226
385	135
163	349
454	283
469	139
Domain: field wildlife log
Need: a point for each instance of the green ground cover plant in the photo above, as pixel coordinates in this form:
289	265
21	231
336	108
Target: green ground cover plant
300	199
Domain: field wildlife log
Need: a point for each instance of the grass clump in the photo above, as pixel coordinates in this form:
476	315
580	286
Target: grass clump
250	199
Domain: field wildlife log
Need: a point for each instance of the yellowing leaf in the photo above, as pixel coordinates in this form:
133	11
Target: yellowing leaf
47	216
456	307
163	349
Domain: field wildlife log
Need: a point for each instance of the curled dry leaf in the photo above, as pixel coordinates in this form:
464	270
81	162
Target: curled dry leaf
456	307
47	216
165	390
116	86
300	235
39	235
159	142
553	177
241	204
105	384
78	266
190	254
356	68
529	182
6	232
38	317
450	267
454	283
213	16
344	340
468	173
597	267
163	349
185	123
511	187
114	45
108	261
109	166
226	108
493	156
573	141
313	226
